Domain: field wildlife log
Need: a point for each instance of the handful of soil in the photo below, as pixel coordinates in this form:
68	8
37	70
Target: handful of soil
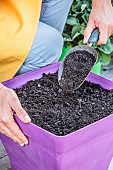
62	112
77	66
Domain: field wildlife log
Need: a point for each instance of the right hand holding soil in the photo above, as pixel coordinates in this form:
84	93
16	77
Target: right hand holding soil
9	103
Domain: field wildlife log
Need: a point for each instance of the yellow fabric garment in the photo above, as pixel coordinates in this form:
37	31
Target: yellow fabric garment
18	24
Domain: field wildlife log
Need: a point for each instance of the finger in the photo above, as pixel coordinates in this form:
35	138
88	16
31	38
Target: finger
89	29
103	37
14	129
7	132
21	113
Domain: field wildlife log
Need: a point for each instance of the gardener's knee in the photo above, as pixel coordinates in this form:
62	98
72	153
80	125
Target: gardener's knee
47	46
54	46
46	49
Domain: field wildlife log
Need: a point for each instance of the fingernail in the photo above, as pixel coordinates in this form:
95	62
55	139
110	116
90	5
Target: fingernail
27	118
26	143
14	140
22	144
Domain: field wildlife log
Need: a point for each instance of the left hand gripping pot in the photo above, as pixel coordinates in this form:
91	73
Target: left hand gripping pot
18	25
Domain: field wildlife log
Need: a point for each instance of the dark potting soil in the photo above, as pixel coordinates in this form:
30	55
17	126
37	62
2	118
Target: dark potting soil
62	112
77	66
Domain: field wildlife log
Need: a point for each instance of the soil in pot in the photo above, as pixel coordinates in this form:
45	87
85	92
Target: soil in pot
77	66
61	111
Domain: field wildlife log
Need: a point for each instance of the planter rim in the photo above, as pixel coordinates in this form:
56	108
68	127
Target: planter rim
11	83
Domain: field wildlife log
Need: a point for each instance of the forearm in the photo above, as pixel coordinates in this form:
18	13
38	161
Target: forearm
100	2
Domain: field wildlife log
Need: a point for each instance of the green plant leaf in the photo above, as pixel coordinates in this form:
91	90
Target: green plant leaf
85	17
75	31
82	30
104	58
95	46
74	15
83	7
72	21
107	48
76	7
66	37
81	42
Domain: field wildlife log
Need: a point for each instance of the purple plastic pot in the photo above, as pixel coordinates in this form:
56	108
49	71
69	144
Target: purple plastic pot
90	148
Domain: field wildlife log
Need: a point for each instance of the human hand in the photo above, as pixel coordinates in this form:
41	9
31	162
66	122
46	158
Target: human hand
9	103
101	17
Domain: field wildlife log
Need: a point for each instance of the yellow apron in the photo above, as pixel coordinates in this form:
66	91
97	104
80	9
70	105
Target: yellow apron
18	24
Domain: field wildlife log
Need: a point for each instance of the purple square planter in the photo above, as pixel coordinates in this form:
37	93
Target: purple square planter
90	148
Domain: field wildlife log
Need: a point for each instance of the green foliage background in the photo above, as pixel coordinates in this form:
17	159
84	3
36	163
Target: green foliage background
75	26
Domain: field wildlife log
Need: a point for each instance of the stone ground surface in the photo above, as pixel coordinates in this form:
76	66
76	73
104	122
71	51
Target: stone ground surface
4	160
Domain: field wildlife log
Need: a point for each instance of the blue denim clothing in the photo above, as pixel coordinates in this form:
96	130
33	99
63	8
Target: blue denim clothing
48	41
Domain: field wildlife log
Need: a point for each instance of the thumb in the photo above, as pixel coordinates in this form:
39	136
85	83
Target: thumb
87	33
21	113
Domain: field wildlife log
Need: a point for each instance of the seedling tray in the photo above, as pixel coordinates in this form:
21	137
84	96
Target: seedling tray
89	148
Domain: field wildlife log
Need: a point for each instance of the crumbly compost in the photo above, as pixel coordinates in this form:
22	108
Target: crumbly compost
62	112
77	66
